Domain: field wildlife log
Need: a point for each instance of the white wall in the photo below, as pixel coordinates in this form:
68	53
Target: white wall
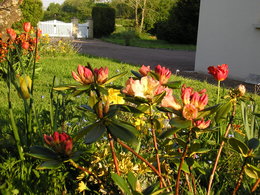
227	35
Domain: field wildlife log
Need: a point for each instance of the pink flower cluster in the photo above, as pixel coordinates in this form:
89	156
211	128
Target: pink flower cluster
193	102
85	76
60	142
163	73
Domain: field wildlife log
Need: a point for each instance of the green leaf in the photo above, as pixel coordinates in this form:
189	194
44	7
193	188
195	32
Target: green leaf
150	189
200	151
64	87
132	180
257	114
94	133
169	132
75	155
252	171
208	111
174	84
42	153
222	111
253	143
126	108
121	183
136	100
180	122
122	132
180	142
165	109
158	98
239	146
82	87
115	77
184	167
85	130
51	164
154	75
143	107
137	74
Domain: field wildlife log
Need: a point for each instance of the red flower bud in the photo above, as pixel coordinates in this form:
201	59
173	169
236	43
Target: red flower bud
201	124
163	73
11	33
220	72
144	70
101	75
27	26
25	45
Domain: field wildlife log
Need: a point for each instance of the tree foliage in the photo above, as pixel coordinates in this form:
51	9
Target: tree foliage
31	12
103	20
80	9
182	24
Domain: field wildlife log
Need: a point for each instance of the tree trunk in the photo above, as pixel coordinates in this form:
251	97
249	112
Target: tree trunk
142	17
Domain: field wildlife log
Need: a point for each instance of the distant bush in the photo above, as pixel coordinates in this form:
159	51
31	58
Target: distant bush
182	24
103	21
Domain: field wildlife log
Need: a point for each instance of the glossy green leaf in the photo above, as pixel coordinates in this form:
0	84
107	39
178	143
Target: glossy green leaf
85	130
136	100
121	183
137	74
143	107
82	87
75	155
127	108
184	167
252	171
169	132
95	133
200	151
253	143
64	87
51	164
257	114
239	146
115	77
208	111
164	109
132	180
154	75
150	189
174	84
223	111
180	122
126	125
158	98
180	142
42	153
123	133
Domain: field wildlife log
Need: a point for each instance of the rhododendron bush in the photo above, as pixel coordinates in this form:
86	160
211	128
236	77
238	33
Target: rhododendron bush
154	135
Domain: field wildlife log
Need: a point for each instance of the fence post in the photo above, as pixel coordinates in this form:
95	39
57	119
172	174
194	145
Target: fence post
75	27
90	28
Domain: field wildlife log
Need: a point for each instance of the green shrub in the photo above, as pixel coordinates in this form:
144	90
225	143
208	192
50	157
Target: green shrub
182	24
103	21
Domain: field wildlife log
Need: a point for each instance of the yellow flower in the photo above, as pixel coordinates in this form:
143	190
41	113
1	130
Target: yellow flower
25	85
114	97
82	186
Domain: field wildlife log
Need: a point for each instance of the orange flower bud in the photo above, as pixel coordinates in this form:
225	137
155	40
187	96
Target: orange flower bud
163	73
25	45
27	26
101	75
144	70
84	76
201	124
11	33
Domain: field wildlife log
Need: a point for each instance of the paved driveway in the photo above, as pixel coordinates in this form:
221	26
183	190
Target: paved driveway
182	60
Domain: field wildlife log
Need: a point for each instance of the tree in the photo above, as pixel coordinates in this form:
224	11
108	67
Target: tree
31	12
182	24
53	12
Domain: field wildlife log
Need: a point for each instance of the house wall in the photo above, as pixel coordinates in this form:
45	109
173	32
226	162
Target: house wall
227	35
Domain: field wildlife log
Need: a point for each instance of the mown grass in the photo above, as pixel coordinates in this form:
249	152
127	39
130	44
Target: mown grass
61	67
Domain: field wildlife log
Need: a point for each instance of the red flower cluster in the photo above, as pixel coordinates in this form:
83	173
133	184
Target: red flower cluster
219	72
163	73
60	142
85	75
24	39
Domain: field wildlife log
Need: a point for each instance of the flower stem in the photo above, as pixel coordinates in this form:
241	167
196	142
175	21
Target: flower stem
177	186
220	149
142	159
111	142
218	92
239	181
255	186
